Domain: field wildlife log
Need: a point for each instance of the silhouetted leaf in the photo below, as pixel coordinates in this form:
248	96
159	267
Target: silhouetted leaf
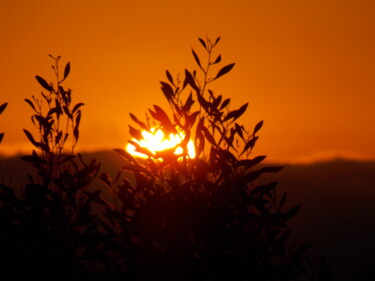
78	118
106	179
167	90
218	59
76	133
140	123
141	149
224	70
203	43
225	103
41	120
68	158
250	144
66	70
236	113
169	76
163	118
51	111
239	130
191	119
135	133
258	127
204	103
264	189
249	163
76	130
67	112
31	138
217	40
189	102
1	137
3	106
208	136
77	106
125	155
217	101
196	58
199	138
44	83
189	79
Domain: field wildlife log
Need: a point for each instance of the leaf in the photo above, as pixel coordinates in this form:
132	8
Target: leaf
78	118
163	118
41	120
66	110
264	189
31	138
169	76
258	127
249	163
196	58
208	136
58	137
76	133
225	103
135	133
189	79
68	158
167	90
203	43
78	105
224	70
250	144
217	40
3	106
52	111
217	101
192	118
236	113
140	123
76	128
141	149
218	59
239	130
66	70
106	179
189	102
1	136
44	83
226	155
205	104
125	155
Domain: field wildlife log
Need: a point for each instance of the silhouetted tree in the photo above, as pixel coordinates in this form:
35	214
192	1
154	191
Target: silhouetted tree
201	218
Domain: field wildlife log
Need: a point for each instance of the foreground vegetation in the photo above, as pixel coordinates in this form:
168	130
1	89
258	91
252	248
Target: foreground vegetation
165	217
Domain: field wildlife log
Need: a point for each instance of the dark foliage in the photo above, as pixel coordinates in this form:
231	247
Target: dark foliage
202	218
172	217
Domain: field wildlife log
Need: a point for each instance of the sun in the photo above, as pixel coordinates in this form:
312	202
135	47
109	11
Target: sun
157	141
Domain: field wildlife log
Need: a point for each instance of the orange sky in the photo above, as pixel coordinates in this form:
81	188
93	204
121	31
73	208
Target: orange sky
307	68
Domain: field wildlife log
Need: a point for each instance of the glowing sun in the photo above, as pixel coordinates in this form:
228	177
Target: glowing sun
156	141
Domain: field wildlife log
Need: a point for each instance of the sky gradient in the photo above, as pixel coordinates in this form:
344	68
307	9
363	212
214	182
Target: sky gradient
305	67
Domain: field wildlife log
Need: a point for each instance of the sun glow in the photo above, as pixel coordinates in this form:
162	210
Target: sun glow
156	141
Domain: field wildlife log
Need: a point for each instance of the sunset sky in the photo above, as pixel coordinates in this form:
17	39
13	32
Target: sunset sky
307	68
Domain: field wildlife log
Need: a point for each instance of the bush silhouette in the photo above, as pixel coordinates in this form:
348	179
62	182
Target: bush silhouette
171	217
202	218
